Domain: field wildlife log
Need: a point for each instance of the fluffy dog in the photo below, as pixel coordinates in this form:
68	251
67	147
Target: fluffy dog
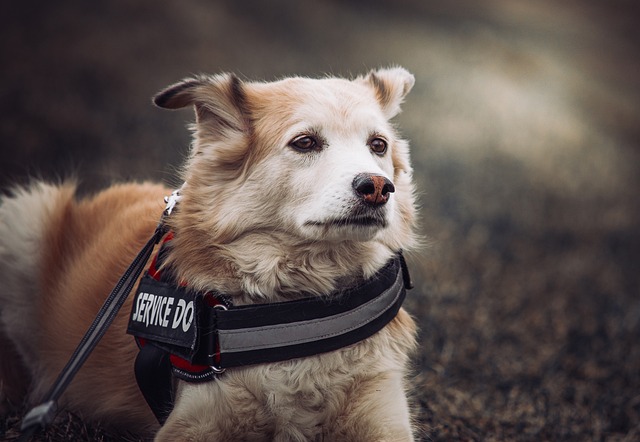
299	185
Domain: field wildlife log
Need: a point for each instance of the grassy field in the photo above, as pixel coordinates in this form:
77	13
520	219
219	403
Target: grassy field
524	125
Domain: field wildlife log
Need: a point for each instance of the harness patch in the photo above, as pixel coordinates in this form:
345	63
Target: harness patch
164	313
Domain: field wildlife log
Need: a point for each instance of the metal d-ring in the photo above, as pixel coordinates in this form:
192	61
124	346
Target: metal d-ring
218	370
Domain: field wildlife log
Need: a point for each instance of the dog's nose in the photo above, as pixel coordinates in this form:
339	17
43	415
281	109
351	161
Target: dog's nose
373	189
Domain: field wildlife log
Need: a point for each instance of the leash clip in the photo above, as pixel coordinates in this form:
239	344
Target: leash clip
172	200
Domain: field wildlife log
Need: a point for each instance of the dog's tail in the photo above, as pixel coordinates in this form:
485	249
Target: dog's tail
25	217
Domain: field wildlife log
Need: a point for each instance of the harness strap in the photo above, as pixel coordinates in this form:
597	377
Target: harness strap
280	331
153	374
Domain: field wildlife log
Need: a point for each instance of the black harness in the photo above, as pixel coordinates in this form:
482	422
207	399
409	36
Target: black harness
196	336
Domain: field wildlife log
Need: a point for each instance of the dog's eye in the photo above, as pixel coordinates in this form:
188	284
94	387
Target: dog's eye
378	146
304	143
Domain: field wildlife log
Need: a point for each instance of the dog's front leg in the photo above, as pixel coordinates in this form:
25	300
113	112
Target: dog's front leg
377	411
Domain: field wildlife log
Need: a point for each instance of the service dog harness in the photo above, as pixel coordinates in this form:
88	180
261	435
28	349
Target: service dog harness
197	336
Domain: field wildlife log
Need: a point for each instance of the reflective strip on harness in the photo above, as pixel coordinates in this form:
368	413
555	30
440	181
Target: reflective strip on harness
287	330
314	330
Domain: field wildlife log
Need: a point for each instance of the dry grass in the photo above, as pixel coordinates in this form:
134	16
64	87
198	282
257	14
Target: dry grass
67	428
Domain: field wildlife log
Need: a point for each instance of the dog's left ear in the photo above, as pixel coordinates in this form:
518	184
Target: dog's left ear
218	100
391	86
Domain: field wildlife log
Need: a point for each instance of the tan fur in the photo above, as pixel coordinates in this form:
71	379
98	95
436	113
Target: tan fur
251	223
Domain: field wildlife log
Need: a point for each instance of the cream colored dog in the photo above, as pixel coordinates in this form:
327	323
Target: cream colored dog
271	209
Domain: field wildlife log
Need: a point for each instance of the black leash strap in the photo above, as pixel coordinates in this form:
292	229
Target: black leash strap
43	414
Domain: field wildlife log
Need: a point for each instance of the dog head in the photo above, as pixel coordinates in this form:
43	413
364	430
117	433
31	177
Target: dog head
315	158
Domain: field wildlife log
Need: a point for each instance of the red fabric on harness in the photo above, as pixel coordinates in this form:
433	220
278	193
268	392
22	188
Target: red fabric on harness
154	272
185	365
209	299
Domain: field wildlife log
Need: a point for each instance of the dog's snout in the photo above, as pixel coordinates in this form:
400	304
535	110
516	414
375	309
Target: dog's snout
373	189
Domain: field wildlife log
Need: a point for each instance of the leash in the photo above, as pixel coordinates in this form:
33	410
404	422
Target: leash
42	415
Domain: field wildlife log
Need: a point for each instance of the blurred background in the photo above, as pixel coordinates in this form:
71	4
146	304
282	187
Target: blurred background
524	125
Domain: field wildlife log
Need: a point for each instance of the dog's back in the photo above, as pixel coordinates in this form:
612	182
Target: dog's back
59	259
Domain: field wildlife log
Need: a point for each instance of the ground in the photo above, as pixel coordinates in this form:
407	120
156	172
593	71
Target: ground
526	144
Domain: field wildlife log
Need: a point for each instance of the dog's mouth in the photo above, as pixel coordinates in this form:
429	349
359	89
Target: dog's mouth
359	223
351	221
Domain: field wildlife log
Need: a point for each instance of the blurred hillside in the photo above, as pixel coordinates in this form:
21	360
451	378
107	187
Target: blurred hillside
524	124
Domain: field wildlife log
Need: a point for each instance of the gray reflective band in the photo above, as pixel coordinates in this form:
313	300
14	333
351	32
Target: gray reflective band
283	335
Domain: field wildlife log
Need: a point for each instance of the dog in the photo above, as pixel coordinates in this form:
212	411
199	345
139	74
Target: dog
293	189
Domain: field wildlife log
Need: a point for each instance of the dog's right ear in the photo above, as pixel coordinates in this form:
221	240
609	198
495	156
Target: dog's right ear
218	99
391	86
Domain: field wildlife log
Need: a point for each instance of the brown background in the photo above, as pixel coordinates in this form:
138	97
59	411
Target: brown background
525	129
